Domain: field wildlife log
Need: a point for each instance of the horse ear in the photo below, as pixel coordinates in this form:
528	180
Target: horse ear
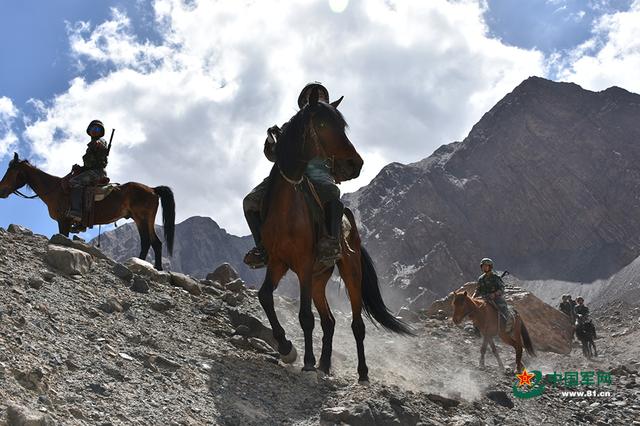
337	102
15	156
313	97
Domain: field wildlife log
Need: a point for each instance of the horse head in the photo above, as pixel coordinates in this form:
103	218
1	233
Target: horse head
459	303
327	127
317	130
14	178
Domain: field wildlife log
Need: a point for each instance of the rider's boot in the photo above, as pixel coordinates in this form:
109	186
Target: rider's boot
75	211
257	256
329	244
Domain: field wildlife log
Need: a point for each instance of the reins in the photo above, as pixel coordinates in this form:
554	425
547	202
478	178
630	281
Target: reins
28	197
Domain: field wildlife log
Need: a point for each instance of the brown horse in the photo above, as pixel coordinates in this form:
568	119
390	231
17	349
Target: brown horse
485	318
131	200
289	236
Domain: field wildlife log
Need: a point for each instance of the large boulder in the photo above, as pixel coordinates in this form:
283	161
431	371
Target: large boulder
61	240
18	229
144	268
223	274
21	416
68	260
186	282
550	329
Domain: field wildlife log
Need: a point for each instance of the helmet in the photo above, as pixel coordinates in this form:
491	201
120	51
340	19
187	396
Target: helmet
96	123
486	261
579	298
303	98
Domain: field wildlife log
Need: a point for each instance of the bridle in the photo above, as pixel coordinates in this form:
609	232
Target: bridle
313	134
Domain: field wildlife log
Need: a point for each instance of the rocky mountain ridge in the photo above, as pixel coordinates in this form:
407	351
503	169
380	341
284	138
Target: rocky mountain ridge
545	184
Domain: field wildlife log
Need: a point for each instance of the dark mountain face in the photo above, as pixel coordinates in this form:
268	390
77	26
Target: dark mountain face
200	246
546	183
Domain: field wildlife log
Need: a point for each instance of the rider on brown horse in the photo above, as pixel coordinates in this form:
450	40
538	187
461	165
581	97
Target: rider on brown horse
491	287
319	171
92	171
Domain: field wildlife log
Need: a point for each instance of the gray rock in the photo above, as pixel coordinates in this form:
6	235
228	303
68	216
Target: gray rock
18	229
48	276
212	291
500	398
224	274
256	328
443	400
140	285
146	269
20	416
358	415
232	299
111	306
185	282
121	271
163	303
236	286
211	308
35	283
68	260
78	244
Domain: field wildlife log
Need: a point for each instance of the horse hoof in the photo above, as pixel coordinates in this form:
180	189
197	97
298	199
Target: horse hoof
290	357
364	382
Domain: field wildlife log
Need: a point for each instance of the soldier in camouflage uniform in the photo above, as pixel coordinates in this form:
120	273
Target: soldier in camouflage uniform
92	170
491	287
319	172
581	308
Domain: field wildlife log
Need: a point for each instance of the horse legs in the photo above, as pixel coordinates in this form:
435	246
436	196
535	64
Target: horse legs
483	350
307	321
265	295
494	350
327	321
351	273
156	244
64	227
145	242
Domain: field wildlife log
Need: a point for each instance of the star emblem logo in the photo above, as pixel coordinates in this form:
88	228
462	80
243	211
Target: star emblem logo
524	378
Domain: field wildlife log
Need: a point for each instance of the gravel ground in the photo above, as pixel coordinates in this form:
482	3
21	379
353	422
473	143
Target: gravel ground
100	349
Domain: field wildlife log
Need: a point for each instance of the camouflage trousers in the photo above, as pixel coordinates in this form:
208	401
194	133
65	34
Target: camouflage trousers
253	201
503	309
87	178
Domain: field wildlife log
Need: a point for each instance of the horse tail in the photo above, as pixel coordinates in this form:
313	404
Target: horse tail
168	214
373	304
526	339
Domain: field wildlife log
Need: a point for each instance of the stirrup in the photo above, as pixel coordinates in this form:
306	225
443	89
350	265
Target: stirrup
256	258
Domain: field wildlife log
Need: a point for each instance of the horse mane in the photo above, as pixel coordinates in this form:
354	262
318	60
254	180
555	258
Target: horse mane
291	143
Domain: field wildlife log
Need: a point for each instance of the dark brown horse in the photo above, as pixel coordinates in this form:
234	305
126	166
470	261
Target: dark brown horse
485	318
131	200
289	237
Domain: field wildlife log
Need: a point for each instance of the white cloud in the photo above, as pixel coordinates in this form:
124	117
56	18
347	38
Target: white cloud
611	56
191	111
8	113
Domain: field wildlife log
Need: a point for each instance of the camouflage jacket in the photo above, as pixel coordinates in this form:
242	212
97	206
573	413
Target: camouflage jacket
582	310
489	283
96	156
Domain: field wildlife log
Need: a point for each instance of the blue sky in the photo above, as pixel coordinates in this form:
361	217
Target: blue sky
197	83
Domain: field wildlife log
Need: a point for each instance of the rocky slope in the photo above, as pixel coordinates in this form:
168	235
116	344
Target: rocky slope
90	341
545	184
200	246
